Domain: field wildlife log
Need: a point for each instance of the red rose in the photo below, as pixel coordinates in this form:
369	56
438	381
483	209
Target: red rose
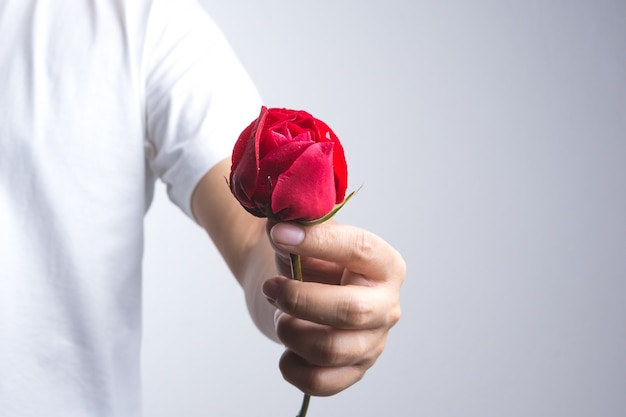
288	166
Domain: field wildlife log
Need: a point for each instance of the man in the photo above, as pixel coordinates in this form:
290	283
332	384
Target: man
100	97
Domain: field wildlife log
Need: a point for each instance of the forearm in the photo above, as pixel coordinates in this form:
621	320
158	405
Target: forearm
241	239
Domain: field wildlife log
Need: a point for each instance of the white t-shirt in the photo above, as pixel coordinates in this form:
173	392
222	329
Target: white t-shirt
97	99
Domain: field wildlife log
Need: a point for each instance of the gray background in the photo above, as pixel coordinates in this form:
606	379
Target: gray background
490	137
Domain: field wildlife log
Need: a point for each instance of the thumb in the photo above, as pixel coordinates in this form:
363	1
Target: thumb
361	252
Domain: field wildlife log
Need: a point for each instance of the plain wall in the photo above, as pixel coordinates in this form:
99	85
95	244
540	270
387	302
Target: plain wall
490	140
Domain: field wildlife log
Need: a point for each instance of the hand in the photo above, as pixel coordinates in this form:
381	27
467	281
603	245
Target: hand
335	324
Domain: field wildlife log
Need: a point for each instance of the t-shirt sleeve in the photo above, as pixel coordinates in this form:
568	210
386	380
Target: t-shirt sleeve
198	96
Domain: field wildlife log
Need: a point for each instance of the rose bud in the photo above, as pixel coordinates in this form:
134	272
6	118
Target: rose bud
288	166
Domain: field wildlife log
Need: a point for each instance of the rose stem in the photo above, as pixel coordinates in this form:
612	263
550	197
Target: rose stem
296	266
296	272
305	405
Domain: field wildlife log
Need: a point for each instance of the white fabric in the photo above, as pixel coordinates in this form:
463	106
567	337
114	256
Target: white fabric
97	99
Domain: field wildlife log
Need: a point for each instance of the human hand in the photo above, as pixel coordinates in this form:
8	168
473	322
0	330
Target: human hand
335	324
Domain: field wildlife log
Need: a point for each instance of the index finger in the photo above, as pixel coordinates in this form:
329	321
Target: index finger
338	306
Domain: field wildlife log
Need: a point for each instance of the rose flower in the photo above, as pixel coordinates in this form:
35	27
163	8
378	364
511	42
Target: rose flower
288	166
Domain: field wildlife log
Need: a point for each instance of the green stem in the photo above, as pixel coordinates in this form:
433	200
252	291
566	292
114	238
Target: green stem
296	273
305	406
296	267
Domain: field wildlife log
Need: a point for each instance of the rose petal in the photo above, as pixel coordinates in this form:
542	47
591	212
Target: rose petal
245	161
274	164
243	172
339	160
306	190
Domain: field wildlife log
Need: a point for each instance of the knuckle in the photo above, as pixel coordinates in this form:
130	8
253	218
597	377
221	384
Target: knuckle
362	246
328	352
361	347
394	315
400	267
340	348
292	299
379	349
374	354
318	238
354	312
352	242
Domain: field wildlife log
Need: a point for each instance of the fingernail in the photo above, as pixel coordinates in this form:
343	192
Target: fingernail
270	289
287	234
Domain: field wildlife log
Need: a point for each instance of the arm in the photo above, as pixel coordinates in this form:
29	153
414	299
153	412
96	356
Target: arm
334	326
241	240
